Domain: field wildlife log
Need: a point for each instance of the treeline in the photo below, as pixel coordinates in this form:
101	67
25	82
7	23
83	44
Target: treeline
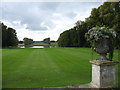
9	36
107	14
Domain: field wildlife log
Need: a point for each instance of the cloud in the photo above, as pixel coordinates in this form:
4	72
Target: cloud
32	14
71	15
39	20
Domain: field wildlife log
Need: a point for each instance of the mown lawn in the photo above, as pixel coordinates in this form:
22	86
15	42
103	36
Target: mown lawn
48	67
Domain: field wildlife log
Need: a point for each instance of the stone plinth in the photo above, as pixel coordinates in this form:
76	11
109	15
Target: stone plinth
103	73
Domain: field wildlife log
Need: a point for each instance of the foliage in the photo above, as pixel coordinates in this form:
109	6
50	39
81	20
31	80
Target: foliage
81	28
52	41
46	40
27	41
107	15
98	33
9	36
21	42
68	38
12	38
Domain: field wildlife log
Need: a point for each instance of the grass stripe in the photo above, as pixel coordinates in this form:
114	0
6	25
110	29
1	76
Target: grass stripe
48	67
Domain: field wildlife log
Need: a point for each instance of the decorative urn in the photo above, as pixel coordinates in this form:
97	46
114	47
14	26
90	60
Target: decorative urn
102	41
102	48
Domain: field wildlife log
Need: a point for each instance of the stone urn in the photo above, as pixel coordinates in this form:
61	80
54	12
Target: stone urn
102	48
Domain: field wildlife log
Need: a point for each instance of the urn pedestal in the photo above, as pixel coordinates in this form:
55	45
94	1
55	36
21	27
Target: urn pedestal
103	73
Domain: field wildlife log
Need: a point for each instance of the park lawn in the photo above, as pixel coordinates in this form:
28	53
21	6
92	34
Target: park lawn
47	67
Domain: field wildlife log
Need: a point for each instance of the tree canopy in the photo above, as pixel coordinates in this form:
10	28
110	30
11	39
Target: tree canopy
46	40
9	36
27	41
107	14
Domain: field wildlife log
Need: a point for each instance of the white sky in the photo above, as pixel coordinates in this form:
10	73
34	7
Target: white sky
39	20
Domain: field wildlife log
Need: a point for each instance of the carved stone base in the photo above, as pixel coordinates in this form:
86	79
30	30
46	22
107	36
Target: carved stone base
103	73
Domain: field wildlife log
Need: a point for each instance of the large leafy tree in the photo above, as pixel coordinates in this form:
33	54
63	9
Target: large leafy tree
81	28
4	35
64	39
107	14
9	36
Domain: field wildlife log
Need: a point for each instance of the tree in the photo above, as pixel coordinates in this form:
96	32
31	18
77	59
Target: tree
4	34
81	28
73	38
107	15
64	39
47	40
9	36
52	41
21	42
27	42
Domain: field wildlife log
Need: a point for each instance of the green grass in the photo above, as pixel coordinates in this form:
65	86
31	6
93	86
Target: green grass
48	67
45	44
